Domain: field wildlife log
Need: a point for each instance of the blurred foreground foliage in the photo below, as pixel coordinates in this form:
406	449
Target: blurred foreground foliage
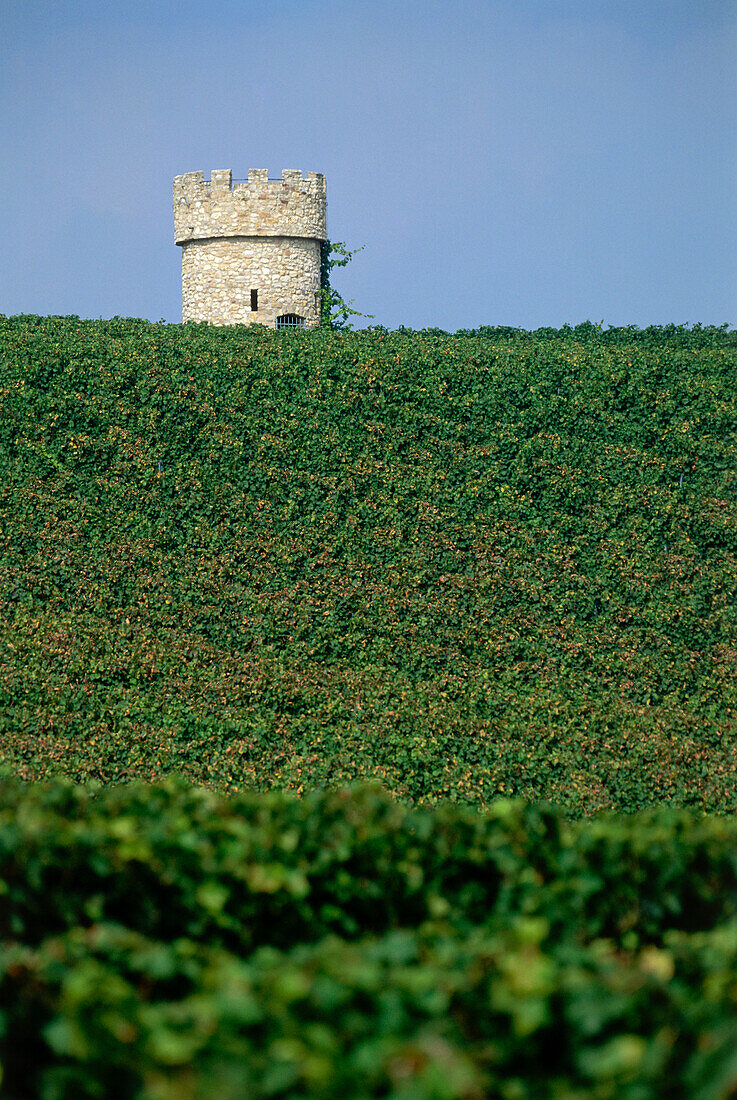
164	941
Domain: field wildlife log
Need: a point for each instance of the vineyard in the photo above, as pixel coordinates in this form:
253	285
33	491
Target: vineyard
487	579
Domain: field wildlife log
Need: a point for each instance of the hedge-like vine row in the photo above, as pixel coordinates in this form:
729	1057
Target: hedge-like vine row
168	942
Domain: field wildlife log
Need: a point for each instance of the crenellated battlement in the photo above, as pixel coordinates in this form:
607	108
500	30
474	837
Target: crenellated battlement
293	206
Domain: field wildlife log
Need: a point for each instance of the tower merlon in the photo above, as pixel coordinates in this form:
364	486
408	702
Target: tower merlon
221	179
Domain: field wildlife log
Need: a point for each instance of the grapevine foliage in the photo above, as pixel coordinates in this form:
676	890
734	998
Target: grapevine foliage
494	563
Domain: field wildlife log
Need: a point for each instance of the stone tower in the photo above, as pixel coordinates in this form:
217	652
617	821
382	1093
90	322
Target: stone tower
250	248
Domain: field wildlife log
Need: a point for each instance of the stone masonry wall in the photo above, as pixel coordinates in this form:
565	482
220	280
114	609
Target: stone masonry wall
243	235
218	276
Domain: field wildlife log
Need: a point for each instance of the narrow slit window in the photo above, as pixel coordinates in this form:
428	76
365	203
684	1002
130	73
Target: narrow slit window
254	301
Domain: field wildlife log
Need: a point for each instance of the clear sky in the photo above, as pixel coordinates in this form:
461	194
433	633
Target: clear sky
505	162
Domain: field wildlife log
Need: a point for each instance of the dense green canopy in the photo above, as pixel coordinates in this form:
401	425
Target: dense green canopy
495	562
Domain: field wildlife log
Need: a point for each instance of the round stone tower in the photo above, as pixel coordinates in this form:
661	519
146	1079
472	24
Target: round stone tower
250	248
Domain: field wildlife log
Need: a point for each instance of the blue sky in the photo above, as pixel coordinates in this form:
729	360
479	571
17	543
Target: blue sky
516	162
